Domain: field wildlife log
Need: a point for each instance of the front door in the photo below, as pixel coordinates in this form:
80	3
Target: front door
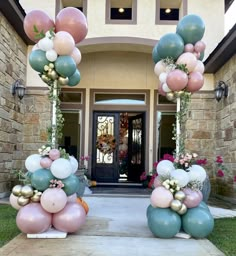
136	145
105	147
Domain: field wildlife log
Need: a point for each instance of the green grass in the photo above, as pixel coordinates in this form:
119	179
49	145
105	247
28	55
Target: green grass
8	228
224	235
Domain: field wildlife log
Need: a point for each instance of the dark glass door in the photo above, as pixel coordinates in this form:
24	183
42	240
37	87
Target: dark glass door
105	147
136	145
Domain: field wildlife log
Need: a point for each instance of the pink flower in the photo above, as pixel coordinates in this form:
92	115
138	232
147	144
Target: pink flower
143	176
234	178
219	159
220	173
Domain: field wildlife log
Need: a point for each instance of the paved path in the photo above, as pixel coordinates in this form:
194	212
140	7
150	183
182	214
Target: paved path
115	226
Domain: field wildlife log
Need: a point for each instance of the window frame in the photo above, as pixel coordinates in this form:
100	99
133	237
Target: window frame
182	13
133	21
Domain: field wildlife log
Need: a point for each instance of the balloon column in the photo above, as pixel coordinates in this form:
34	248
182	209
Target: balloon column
176	201
50	199
178	64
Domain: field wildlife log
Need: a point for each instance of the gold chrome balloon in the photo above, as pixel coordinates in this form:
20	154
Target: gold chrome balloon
183	209
63	80
53	75
17	190
23	200
36	198
175	205
180	196
170	96
27	191
45	78
178	94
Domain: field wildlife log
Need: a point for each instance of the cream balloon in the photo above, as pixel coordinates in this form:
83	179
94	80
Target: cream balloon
13	201
181	176
51	55
159	68
45	44
162	77
164	168
165	87
61	168
197	173
32	162
74	163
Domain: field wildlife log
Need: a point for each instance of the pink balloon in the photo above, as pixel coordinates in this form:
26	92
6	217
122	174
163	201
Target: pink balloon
189	59
188	48
160	90
70	219
161	197
199	67
63	43
33	219
157	182
54	154
192	199
72	198
197	54
199	46
13	201
53	200
38	19
76	55
73	21
46	162
195	82
159	68
177	80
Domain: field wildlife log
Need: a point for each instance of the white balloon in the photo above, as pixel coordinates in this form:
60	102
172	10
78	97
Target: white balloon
162	77
45	44
51	55
164	168
197	172
159	68
165	87
61	168
74	164
35	47
32	163
13	201
181	176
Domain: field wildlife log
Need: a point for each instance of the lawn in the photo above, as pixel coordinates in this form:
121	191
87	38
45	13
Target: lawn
223	235
8	228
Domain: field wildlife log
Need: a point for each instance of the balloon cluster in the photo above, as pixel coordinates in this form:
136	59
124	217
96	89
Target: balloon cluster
176	202
55	55
50	198
178	58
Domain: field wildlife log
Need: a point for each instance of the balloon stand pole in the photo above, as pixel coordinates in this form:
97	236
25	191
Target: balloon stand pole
50	233
54	114
177	127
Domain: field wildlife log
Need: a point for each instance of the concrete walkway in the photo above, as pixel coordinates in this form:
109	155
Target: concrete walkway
115	226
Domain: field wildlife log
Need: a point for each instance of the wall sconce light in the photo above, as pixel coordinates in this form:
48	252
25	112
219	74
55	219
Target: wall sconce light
221	90
18	89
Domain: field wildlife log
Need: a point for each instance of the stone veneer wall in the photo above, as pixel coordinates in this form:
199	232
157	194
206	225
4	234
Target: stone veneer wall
226	131
200	130
12	67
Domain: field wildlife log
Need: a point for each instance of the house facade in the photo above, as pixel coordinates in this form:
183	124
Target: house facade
118	92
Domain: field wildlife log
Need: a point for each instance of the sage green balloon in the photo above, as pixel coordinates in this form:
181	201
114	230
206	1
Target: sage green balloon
65	66
71	184
191	28
155	55
40	179
38	60
170	45
74	79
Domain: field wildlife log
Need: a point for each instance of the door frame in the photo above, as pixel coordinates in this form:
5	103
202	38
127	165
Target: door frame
121	108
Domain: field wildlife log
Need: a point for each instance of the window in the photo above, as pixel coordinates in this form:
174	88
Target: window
121	12
79	4
170	12
70	97
120	99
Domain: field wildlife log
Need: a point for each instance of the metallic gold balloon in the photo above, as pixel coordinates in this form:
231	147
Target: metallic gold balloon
35	198
53	75
63	80
183	209
175	205
180	195
17	190
170	96
45	78
178	94
27	191
23	200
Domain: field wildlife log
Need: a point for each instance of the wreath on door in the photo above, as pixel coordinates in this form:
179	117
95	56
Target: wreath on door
106	143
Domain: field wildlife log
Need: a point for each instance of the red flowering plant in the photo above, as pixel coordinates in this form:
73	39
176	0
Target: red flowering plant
221	168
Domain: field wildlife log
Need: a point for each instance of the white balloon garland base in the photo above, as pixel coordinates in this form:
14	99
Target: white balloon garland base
50	233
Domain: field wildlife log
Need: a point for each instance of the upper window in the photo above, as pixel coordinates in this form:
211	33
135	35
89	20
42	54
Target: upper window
121	12
170	12
79	4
